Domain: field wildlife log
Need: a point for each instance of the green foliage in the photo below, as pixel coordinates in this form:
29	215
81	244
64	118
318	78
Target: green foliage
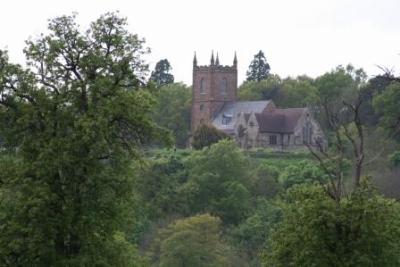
361	230
72	122
123	253
302	172
206	135
193	241
374	87
264	182
172	111
277	160
387	104
259	68
335	87
218	182
249	236
395	158
298	92
157	186
289	92
265	89
340	83
161	75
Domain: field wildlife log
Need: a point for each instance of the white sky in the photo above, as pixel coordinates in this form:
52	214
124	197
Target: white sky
298	37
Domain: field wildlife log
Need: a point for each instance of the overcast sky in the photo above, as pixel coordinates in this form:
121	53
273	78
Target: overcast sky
298	37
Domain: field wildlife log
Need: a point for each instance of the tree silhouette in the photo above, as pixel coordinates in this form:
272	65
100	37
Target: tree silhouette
161	75
259	68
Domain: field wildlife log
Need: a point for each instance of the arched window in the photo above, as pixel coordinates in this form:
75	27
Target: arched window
201	107
224	86
202	86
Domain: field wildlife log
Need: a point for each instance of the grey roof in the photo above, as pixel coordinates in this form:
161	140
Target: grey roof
232	109
280	120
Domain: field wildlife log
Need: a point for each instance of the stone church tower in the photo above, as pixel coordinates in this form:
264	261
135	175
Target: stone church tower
213	86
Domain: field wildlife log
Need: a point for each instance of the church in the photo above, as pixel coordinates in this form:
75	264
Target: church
251	123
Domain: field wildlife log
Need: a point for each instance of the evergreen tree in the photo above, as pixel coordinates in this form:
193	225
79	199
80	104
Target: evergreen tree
259	68
71	124
161	75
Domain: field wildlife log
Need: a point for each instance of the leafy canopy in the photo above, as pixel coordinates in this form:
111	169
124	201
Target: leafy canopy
361	230
172	111
71	123
206	135
218	182
387	104
194	241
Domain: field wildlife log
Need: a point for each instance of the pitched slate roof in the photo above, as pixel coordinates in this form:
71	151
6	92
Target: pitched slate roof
279	120
233	109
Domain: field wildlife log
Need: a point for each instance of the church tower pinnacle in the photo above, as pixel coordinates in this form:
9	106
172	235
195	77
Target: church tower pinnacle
195	60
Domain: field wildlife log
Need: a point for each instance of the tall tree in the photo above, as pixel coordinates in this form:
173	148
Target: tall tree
172	111
339	105
71	123
259	68
161	75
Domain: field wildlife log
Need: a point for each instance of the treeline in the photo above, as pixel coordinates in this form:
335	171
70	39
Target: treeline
88	176
261	211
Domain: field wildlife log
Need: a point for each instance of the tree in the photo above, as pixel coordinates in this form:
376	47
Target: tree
264	181
395	158
267	89
206	135
387	104
375	86
361	230
288	92
218	182
297	92
172	111
156	186
194	241
161	75
72	123
250	235
258	68
339	105
302	172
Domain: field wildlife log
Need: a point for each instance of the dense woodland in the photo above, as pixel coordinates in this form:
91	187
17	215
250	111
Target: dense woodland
97	167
